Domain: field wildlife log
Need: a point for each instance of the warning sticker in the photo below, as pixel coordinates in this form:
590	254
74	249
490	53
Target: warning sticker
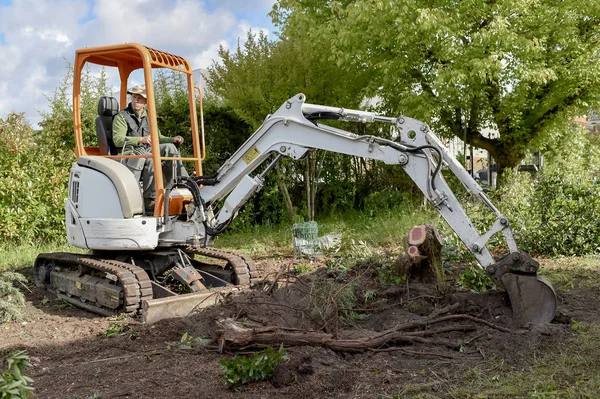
251	155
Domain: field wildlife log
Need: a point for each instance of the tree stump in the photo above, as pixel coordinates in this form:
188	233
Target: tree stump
423	258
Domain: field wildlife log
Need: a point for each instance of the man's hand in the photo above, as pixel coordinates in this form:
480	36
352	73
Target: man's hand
177	140
145	140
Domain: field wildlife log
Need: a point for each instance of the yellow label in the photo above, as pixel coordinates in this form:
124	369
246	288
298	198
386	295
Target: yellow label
251	155
114	299
78	284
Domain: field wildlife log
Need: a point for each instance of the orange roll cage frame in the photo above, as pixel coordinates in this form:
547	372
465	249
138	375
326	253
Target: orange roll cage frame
127	58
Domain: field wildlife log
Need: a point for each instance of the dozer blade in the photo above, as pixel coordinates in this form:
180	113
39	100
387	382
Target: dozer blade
532	298
157	309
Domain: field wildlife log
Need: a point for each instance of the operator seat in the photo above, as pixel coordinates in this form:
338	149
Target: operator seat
107	109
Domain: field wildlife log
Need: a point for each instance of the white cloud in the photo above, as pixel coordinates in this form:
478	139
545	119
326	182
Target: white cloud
39	34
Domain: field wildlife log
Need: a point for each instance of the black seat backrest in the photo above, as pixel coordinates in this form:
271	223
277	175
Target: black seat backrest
107	108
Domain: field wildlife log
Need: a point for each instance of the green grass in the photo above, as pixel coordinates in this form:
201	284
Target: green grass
386	230
572	272
17	258
572	370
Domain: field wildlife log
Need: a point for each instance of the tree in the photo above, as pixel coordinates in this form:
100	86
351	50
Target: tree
260	75
57	124
514	66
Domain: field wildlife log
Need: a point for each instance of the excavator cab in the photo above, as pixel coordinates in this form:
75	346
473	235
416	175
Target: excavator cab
128	58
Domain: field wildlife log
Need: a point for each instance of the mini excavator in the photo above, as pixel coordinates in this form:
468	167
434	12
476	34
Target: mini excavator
134	252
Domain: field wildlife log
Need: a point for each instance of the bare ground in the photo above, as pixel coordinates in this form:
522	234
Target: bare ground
73	358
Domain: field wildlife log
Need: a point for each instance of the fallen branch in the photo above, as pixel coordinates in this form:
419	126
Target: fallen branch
234	334
277	277
447	309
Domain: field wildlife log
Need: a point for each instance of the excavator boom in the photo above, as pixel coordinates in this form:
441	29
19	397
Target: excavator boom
292	131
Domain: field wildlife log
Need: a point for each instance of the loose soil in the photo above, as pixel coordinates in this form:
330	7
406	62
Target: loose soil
72	356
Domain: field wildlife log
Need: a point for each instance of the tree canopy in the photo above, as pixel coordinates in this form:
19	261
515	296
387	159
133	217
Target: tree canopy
514	66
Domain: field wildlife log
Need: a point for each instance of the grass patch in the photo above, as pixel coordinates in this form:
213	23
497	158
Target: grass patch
17	258
572	272
382	230
572	370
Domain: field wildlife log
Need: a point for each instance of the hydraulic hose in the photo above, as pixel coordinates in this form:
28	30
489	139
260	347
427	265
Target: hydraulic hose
438	167
199	202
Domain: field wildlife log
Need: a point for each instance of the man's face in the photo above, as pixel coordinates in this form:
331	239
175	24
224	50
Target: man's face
138	102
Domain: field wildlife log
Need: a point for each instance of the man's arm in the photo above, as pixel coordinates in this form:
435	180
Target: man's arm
165	139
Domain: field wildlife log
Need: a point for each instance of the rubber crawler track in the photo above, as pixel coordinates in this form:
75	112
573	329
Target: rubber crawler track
243	265
134	280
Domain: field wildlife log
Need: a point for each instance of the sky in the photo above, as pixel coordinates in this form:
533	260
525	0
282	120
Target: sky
38	37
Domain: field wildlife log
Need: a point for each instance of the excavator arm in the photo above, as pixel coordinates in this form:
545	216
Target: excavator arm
293	130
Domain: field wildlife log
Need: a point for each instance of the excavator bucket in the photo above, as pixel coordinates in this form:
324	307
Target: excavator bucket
532	298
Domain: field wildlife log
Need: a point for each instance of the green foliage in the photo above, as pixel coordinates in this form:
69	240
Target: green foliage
463	66
261	366
388	274
556	211
12	300
33	185
172	105
114	329
255	80
13	383
302	268
34	166
57	124
187	342
474	278
381	202
568	212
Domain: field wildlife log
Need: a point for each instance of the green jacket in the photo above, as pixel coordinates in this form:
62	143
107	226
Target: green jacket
124	134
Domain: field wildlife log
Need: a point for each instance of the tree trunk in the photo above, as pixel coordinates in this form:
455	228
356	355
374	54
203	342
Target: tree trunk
287	200
423	258
308	187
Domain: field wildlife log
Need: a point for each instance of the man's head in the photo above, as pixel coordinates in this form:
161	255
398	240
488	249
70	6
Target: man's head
138	97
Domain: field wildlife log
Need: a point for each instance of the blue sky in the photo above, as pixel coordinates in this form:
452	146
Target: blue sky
36	36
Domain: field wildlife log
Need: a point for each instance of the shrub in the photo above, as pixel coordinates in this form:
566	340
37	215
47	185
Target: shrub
474	278
261	366
33	185
556	212
380	202
12	300
567	212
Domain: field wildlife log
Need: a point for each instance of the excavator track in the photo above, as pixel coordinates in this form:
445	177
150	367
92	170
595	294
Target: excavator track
105	287
243	266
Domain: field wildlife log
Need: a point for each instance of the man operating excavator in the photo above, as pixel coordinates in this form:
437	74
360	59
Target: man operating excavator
131	133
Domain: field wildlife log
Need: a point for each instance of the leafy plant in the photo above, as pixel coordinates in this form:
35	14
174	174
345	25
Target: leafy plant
474	278
261	366
114	329
302	268
388	274
187	341
13	383
12	300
